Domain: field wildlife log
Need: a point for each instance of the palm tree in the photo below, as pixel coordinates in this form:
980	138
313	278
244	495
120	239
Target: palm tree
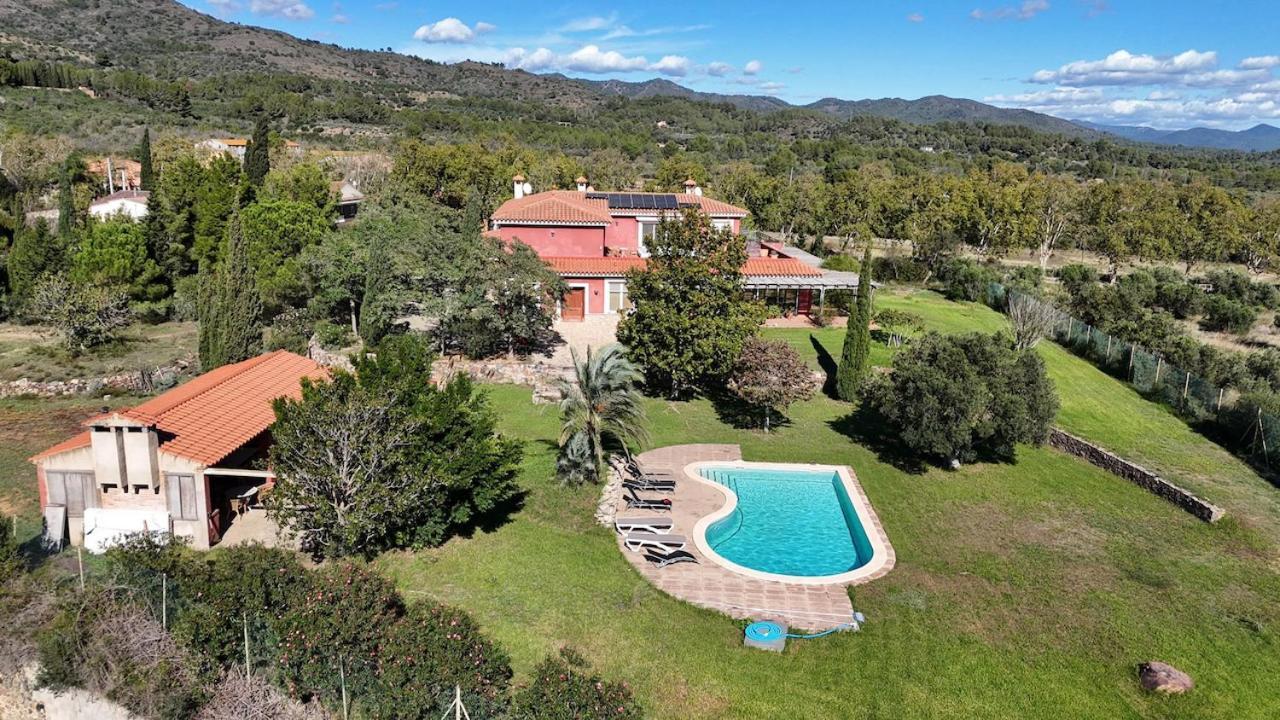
599	405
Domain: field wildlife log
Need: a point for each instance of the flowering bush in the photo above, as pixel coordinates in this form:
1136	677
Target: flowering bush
564	688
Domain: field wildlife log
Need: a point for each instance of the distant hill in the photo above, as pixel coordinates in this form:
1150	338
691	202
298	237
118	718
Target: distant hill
1259	138
939	108
665	88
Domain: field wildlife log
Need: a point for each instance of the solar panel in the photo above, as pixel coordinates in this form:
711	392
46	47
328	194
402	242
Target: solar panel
666	202
650	202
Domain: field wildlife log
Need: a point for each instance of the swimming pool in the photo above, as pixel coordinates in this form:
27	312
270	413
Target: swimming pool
794	523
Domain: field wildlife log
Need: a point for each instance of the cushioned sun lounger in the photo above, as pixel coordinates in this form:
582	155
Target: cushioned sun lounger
637	540
645	524
661	559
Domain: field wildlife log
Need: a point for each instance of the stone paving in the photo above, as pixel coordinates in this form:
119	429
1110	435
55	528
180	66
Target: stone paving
708	585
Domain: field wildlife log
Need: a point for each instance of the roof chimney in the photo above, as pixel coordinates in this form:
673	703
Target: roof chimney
582	183
520	187
691	187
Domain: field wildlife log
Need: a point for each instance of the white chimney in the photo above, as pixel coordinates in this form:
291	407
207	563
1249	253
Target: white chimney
582	184
518	186
691	187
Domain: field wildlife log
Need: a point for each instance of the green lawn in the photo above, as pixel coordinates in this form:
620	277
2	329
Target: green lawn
1021	590
1025	590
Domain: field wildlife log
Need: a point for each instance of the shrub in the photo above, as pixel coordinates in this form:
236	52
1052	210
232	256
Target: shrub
1025	278
85	316
843	263
429	651
899	269
332	336
563	688
958	397
964	279
10	560
1231	284
770	375
1224	314
1180	298
1076	277
291	330
103	640
334	630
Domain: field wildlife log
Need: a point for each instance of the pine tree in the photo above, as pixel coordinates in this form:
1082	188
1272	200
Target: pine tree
144	159
856	355
257	159
34	252
231	322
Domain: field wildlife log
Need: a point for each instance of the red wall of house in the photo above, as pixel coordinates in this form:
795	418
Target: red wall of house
595	292
558	241
623	236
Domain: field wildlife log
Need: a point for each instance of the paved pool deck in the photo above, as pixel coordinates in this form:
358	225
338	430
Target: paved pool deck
708	585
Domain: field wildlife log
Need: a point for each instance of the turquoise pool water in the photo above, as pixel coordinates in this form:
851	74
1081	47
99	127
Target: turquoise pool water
788	522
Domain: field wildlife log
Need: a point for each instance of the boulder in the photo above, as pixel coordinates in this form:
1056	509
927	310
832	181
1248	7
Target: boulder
1164	678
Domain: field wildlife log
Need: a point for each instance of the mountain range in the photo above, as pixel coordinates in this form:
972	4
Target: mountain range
168	39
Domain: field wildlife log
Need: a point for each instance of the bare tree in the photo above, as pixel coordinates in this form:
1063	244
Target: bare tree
1030	318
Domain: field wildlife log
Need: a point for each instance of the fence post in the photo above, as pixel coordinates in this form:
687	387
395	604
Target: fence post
1220	391
1131	347
1108	348
1186	385
1159	364
245	616
164	600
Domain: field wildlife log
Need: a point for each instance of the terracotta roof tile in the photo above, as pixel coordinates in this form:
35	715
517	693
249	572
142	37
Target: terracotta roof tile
571	206
618	266
211	416
758	267
74	442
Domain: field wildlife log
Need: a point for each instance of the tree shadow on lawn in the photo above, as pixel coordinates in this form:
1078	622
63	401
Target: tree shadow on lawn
828	365
739	414
869	429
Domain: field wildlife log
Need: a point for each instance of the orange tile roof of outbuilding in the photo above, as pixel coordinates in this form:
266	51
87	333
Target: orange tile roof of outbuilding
211	416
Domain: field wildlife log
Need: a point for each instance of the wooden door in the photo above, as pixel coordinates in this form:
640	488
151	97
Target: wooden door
575	304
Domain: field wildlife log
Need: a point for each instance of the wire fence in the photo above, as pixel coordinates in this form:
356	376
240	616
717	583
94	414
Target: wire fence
1230	416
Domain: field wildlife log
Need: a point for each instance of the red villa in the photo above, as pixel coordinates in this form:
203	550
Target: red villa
593	238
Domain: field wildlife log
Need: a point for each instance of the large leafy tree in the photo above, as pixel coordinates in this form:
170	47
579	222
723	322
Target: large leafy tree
855	356
690	316
599	407
277	232
231	306
958	397
385	458
113	254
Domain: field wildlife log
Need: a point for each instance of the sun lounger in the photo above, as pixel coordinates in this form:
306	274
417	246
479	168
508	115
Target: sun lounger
643	524
661	559
635	502
651	486
635	467
637	540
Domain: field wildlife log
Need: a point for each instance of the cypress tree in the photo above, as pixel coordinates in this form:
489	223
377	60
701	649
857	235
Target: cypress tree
231	323
144	159
34	252
257	160
856	355
375	308
66	201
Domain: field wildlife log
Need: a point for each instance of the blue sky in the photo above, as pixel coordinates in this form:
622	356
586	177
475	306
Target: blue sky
1168	64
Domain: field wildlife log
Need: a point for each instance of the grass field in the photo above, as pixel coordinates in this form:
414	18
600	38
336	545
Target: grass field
1021	590
1024	590
34	352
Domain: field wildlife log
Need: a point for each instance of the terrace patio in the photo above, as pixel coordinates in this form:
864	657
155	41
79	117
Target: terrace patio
708	585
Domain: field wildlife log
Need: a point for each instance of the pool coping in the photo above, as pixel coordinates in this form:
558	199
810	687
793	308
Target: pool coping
883	557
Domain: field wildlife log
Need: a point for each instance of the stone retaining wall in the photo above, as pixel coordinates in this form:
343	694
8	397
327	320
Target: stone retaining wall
542	377
1136	474
143	382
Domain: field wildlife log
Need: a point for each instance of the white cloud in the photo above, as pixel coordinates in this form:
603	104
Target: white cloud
915	17
1042	97
772	86
483	27
719	69
1191	68
1260	62
224	7
591	59
540	59
340	19
1024	11
673	65
289	9
1162	109
450	30
753	67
